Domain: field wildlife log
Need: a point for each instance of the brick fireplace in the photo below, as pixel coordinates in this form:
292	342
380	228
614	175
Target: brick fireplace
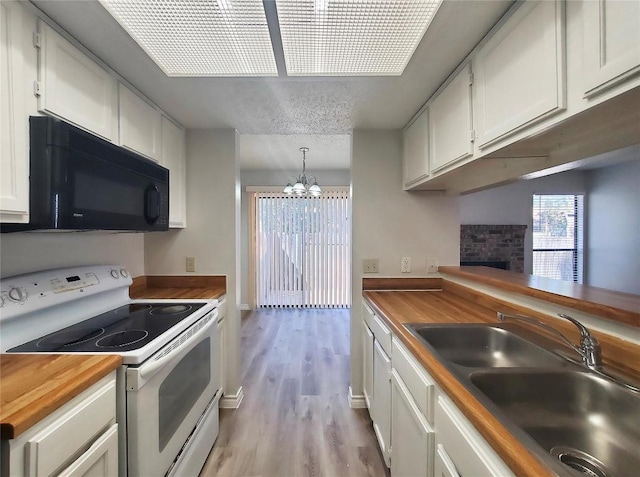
499	246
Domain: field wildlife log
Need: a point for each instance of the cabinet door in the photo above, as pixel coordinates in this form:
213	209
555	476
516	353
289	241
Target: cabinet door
443	465
470	453
382	402
450	126
140	124
520	71
221	353
415	150
100	460
412	437
14	133
74	87
367	364
173	158
611	43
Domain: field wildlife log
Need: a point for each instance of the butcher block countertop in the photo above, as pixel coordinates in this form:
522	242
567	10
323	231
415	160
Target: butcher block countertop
454	303
196	287
32	386
608	304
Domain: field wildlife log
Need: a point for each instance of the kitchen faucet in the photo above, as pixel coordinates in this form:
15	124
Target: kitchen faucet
589	348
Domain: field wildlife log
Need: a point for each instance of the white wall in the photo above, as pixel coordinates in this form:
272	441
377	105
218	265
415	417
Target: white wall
613	227
213	232
26	252
389	223
512	204
251	177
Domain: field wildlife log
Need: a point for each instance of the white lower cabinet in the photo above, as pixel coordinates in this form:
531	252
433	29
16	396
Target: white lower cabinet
79	439
367	364
381	411
222	347
444	467
101	460
420	431
412	438
377	383
467	450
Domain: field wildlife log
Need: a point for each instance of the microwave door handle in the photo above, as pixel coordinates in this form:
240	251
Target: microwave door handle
137	377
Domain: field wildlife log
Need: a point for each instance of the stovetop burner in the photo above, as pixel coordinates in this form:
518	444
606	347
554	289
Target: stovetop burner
70	337
122	338
125	328
170	310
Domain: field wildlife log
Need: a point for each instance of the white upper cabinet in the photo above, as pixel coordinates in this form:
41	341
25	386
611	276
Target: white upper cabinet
74	87
611	43
415	150
16	50
173	158
140	124
520	71
450	122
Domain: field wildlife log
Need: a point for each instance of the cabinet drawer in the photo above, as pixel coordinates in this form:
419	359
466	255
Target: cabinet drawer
100	460
443	465
378	328
418	382
72	433
367	315
382	334
469	452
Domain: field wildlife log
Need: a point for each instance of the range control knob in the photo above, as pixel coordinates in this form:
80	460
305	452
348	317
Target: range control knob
17	294
124	273
114	273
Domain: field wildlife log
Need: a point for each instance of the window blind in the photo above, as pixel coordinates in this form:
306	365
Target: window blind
302	250
558	222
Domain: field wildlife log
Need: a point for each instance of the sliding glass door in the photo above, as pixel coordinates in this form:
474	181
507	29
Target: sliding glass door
302	250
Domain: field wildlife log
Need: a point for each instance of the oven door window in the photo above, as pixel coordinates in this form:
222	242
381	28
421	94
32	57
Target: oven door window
181	389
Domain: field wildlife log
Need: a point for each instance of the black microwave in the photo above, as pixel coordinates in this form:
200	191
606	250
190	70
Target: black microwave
79	181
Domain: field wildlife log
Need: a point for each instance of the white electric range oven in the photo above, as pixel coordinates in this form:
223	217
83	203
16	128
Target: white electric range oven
169	385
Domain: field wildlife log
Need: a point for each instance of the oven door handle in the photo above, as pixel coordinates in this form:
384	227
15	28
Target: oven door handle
181	345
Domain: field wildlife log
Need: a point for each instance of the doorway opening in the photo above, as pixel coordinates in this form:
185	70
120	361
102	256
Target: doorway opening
302	250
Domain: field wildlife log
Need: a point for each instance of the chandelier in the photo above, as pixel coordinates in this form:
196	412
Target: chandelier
304	184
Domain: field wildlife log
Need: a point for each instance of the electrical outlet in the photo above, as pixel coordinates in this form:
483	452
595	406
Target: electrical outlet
432	265
191	264
370	265
405	265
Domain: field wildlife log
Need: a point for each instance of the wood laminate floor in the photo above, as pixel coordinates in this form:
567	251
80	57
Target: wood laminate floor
295	418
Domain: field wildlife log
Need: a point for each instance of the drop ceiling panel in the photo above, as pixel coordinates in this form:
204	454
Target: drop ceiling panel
352	37
200	37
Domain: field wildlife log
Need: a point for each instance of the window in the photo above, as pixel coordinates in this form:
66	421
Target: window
558	236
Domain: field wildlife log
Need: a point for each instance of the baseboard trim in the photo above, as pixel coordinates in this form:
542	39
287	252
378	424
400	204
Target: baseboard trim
245	307
356	401
232	401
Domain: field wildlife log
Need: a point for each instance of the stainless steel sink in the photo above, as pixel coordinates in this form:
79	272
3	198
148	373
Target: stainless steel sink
575	420
483	346
588	423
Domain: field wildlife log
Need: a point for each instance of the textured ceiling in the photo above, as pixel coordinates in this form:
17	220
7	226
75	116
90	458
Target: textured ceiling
282	152
286	106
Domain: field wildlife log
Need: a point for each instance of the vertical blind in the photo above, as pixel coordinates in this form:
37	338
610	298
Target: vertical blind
302	250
